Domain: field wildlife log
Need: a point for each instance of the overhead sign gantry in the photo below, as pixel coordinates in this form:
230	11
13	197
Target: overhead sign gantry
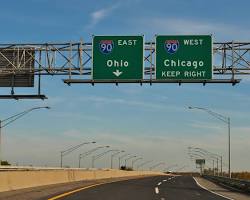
123	59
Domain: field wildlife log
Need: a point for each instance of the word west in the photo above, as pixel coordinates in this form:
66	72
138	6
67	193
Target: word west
193	42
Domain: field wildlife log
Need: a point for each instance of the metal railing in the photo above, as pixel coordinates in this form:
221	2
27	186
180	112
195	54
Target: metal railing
238	184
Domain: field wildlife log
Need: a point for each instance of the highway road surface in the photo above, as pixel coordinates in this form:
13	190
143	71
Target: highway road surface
150	188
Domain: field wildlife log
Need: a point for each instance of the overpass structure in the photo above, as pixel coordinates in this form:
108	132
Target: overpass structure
20	63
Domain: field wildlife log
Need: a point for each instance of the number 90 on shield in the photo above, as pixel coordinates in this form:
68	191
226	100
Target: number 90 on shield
171	46
106	46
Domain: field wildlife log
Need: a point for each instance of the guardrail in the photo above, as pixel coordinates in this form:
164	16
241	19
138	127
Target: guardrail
239	184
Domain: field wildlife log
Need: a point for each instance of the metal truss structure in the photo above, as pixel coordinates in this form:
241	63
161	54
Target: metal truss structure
73	61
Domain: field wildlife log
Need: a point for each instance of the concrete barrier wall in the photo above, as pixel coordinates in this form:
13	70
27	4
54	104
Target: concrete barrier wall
18	179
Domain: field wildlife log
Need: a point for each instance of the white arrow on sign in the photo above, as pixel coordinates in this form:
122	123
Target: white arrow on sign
117	73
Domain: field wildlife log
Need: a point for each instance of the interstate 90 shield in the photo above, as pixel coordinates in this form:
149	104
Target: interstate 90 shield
106	46
171	46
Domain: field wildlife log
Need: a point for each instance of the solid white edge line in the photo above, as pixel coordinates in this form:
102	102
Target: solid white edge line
157	190
211	191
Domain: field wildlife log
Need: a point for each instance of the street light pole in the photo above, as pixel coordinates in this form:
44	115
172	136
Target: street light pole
134	161
171	166
157	165
82	155
9	120
228	122
123	156
112	156
213	169
0	142
71	149
128	159
181	168
100	155
145	163
217	161
221	166
229	146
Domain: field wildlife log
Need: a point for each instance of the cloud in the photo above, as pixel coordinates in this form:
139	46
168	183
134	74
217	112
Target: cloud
194	26
182	26
73	133
204	125
101	14
131	103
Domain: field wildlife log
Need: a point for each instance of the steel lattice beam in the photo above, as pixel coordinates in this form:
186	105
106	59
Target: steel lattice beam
230	58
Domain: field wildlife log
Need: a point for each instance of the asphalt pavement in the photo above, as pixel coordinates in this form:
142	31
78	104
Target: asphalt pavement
150	188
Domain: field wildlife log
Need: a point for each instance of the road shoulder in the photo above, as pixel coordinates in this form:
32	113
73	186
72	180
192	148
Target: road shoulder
216	189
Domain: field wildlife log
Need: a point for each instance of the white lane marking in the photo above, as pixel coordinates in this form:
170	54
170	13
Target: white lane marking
157	190
169	178
212	191
162	198
164	180
159	183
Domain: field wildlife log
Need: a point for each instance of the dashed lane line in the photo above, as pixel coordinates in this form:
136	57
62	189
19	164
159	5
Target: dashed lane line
159	183
157	190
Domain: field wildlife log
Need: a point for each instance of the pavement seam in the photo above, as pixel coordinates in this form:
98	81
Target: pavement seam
212	191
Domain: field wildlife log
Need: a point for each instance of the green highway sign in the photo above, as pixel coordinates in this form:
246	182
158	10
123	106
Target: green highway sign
184	57
200	161
118	57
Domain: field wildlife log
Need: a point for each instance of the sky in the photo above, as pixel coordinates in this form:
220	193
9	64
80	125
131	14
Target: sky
153	122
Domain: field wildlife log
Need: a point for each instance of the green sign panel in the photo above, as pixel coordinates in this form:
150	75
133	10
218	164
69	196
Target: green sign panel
184	57
118	57
200	161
